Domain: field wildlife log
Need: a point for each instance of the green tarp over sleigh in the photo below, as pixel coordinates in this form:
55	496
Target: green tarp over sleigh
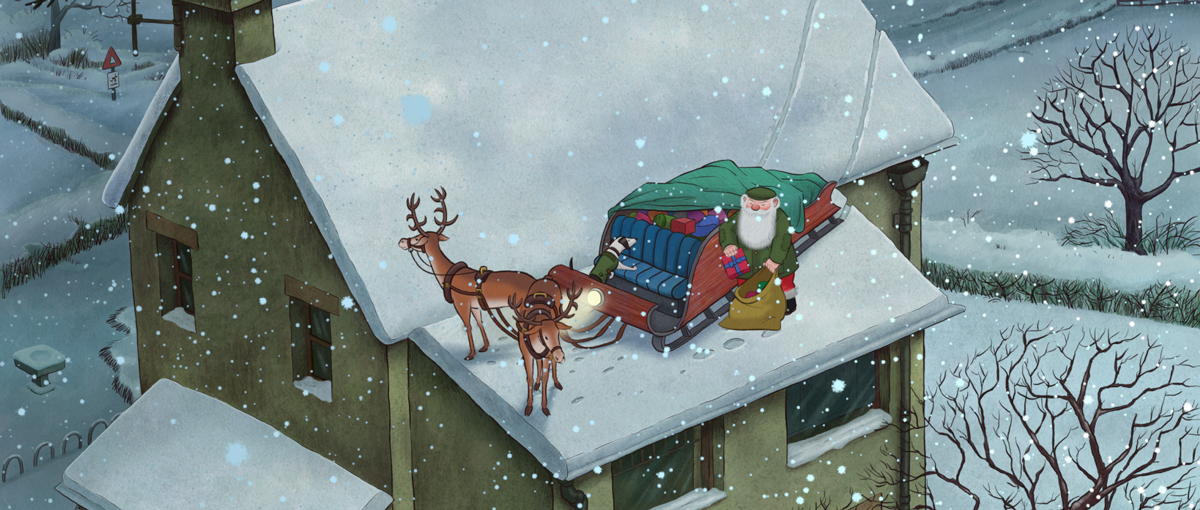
721	184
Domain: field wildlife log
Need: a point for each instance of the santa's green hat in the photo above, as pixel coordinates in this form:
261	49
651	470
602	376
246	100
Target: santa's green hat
760	193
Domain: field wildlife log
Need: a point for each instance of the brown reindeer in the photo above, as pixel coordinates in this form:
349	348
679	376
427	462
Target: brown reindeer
539	319
470	291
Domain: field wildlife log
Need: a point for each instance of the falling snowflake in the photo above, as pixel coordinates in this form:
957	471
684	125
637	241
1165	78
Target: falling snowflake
245	235
262	300
347	302
839	386
661	475
960	383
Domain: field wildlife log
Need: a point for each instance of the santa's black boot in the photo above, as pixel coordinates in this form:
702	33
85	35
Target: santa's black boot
791	306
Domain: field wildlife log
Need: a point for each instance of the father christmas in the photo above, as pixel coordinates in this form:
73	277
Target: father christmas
763	232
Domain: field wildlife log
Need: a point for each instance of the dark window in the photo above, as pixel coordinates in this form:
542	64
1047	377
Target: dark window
655	474
183	278
175	273
312	341
320	346
831	398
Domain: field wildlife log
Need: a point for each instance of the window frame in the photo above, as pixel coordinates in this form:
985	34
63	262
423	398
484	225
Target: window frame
168	232
310	297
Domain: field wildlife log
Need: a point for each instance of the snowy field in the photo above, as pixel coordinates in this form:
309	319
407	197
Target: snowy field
988	102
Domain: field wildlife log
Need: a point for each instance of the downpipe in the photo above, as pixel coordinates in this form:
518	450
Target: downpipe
572	495
906	178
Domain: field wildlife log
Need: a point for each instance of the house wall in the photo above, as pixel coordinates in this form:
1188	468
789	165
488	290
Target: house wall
461	457
878	201
213	152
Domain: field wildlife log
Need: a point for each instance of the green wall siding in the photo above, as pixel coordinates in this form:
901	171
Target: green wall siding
241	350
461	457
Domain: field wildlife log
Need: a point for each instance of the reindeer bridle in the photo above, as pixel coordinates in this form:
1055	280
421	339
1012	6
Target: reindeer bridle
544	305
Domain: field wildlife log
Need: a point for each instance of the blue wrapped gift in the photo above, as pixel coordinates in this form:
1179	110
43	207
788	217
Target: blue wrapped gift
706	226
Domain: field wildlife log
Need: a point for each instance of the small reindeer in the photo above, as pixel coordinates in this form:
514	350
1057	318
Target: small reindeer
539	321
470	291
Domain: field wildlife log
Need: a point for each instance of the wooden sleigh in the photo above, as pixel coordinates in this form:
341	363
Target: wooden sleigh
684	289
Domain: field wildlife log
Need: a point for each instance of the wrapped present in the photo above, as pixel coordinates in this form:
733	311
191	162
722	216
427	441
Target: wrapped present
695	216
642	216
706	226
654	214
721	215
735	266
683	225
663	221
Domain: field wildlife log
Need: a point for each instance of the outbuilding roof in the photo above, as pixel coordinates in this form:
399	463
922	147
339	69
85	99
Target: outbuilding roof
178	448
856	294
537	117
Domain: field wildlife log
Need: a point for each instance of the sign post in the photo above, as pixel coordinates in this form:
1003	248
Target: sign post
111	62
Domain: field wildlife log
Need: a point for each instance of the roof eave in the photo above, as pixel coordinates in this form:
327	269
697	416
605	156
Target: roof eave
131	160
543	450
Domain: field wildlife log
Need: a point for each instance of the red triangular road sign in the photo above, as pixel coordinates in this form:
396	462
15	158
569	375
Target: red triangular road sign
111	60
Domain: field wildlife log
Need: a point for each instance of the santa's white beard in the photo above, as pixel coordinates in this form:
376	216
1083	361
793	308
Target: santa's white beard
756	229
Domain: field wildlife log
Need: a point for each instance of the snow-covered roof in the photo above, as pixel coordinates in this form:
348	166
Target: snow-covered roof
855	294
229	460
538	116
132	157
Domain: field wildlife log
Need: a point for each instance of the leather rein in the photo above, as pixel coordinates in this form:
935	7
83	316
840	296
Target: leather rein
480	277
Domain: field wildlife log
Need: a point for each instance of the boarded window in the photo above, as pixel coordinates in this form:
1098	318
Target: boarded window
831	398
655	474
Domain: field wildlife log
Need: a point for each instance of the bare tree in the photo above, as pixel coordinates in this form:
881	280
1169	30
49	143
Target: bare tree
1122	111
1058	420
60	8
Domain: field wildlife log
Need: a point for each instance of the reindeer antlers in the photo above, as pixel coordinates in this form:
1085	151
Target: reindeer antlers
412	203
440	198
572	295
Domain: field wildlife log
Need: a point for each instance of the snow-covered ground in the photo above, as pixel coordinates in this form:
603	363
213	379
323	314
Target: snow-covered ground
951	342
988	102
43	184
1040	252
66	309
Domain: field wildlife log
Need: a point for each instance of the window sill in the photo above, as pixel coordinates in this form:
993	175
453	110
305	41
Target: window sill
808	450
181	318
323	390
695	500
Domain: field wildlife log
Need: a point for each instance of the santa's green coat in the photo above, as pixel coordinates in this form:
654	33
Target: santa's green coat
780	250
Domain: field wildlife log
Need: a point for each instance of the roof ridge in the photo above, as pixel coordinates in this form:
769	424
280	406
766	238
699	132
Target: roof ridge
787	104
866	103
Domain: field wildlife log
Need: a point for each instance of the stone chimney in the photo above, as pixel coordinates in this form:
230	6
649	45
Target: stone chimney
224	33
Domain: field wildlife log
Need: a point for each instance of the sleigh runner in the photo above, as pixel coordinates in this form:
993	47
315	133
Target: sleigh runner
678	286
